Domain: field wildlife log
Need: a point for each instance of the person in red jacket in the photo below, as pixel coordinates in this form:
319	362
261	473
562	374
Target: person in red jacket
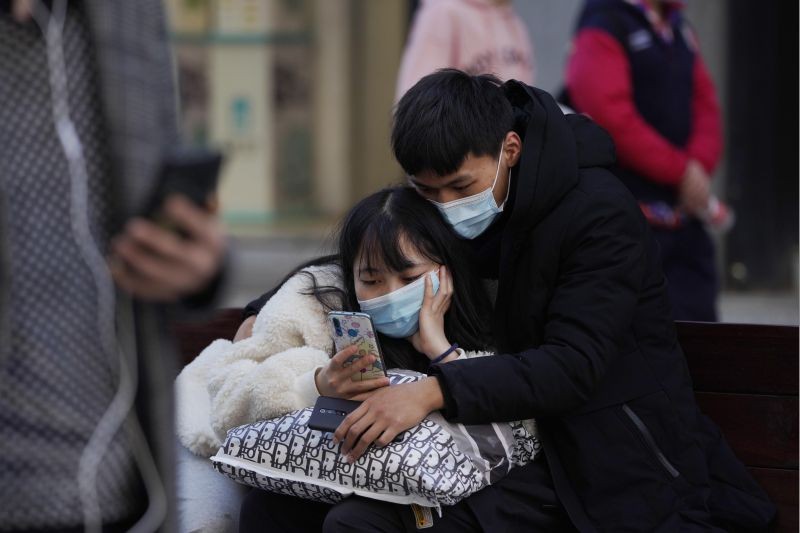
636	69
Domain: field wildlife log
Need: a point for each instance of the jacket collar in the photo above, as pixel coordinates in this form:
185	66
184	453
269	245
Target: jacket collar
554	148
548	168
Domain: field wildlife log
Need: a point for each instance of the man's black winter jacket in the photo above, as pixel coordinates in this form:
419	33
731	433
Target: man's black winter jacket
587	347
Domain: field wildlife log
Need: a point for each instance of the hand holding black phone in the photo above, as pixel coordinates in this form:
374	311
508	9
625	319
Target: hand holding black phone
190	172
329	412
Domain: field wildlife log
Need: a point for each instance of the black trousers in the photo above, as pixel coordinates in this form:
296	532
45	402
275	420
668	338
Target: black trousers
522	501
688	259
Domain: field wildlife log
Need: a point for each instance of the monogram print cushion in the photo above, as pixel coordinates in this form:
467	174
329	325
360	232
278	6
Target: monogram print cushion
436	463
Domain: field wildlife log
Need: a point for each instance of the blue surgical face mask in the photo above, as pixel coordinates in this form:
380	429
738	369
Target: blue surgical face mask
396	314
470	216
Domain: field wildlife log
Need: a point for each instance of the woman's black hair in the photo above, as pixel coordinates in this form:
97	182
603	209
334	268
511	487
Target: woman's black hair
371	232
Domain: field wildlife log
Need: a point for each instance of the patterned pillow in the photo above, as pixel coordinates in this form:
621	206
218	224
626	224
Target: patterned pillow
435	463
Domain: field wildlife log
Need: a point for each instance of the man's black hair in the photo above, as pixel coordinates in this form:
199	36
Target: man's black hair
446	116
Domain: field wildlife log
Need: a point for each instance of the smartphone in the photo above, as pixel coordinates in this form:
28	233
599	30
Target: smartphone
356	328
329	412
191	172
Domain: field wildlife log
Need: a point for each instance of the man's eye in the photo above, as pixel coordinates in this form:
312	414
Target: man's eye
463	187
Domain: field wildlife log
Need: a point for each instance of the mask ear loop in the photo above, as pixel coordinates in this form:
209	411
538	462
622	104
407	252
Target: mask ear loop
499	160
497	176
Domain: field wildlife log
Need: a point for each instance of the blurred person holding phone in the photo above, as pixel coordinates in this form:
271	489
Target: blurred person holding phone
87	113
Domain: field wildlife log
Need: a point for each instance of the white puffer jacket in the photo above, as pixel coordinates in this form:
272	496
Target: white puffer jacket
264	376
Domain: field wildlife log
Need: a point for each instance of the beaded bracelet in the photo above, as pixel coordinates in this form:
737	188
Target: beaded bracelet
447	352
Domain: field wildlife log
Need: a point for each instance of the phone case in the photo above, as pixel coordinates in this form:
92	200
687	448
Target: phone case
329	412
356	328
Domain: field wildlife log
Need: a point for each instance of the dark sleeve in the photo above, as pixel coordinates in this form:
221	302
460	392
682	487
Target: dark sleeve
705	142
602	265
255	306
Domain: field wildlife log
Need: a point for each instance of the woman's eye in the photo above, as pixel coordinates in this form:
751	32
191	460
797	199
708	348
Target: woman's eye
411	279
369	281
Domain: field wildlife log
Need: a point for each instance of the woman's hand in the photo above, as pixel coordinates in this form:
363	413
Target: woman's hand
430	338
336	378
387	413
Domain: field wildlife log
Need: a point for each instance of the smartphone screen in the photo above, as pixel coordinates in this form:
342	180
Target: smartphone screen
356	328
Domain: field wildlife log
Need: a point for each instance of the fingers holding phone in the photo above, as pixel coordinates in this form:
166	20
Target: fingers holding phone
336	378
176	248
156	263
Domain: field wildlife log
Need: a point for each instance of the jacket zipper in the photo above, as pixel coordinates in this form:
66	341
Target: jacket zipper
650	441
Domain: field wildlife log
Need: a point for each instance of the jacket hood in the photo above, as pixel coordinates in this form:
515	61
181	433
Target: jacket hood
554	148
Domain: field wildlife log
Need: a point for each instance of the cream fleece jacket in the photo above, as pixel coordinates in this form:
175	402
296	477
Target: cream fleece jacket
267	375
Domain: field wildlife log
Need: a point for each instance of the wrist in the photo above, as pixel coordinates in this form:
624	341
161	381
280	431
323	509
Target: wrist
317	382
445	356
432	394
452	356
437	348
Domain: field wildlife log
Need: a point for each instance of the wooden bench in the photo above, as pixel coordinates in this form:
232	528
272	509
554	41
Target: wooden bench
745	378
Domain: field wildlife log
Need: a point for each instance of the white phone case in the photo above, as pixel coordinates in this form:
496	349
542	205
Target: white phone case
356	328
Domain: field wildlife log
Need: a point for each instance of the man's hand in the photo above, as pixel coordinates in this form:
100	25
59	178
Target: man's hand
156	264
387	413
695	189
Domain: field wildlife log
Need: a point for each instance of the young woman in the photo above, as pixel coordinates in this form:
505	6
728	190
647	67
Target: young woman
399	262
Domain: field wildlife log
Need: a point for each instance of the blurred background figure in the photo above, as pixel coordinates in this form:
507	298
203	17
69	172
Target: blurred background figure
87	118
300	93
476	36
636	69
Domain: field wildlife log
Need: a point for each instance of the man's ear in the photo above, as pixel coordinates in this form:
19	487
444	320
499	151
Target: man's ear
512	148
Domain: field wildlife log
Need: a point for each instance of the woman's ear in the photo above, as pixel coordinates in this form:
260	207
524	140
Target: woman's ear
512	148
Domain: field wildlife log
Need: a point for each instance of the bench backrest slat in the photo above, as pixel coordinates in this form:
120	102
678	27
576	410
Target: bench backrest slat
741	357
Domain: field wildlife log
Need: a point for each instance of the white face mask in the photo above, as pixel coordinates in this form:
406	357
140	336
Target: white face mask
470	216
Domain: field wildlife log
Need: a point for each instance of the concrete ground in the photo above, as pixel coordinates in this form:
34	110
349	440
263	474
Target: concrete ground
262	262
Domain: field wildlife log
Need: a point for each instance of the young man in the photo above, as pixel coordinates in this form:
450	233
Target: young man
585	340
